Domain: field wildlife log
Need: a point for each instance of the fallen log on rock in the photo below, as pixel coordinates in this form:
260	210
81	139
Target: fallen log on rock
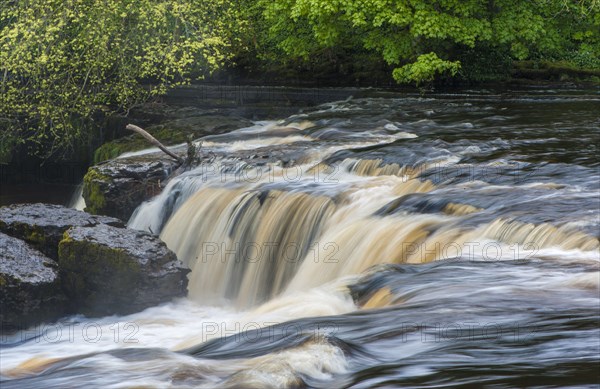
155	142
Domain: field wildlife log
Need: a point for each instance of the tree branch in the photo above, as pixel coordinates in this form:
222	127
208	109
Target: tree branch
154	141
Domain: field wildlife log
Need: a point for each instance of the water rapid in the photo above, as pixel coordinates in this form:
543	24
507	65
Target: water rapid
384	241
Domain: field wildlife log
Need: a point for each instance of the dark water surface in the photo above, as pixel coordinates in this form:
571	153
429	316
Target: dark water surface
36	193
414	182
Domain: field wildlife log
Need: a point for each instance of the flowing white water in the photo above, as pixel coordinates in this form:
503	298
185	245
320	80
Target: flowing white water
282	221
77	201
248	237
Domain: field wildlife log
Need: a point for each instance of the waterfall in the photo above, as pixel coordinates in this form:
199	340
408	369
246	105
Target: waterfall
388	240
251	232
77	201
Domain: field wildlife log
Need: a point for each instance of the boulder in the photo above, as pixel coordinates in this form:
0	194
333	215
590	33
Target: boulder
117	187
43	225
107	270
30	290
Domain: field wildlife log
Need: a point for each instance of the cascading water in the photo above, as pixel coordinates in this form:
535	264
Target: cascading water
77	201
353	244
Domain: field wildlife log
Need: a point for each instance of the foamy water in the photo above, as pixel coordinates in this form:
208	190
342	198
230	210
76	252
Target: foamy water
394	242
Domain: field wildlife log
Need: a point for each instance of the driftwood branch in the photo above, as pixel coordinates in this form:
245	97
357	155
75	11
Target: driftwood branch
155	142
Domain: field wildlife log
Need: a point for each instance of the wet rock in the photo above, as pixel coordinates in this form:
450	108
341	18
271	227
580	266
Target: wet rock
30	290
108	270
43	225
175	126
117	187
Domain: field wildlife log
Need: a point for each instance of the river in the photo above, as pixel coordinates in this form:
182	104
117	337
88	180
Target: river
387	241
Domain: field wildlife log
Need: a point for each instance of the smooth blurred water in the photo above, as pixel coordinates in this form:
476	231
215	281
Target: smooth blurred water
514	176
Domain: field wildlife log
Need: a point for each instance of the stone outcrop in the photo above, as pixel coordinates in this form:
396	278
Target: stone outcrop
117	187
107	270
30	290
43	225
85	264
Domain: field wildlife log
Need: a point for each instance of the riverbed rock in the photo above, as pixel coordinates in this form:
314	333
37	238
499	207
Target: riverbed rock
43	225
117	187
30	290
107	270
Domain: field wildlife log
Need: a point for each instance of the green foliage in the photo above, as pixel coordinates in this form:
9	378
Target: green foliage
8	142
482	63
428	39
425	69
61	62
65	63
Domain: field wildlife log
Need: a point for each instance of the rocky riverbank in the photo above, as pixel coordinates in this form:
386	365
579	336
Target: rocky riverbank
57	261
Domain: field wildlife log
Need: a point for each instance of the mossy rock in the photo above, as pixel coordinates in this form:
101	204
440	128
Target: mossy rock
107	270
43	225
117	187
175	131
93	183
553	70
119	146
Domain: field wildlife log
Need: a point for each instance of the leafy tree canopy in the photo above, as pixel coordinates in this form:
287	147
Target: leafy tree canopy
424	38
63	60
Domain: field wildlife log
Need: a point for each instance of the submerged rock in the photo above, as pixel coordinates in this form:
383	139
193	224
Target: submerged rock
117	187
43	225
108	270
30	291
